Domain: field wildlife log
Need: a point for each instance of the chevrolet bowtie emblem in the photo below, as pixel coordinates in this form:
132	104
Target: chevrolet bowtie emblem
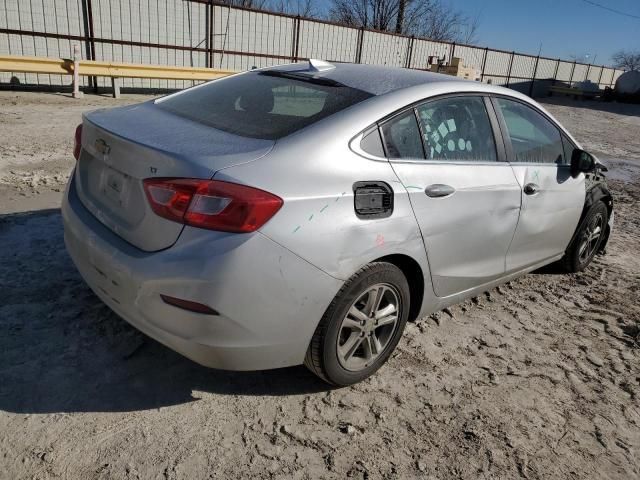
102	146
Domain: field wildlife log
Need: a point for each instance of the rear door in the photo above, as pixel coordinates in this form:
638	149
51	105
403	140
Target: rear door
466	199
552	200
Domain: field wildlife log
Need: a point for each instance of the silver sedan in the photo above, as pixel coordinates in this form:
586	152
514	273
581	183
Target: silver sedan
304	213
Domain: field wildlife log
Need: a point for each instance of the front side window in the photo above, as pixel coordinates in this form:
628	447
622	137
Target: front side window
457	129
534	138
267	105
402	137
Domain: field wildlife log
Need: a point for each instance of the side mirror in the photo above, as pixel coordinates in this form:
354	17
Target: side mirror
582	161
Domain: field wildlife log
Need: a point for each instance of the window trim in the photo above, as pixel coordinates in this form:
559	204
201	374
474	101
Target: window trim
501	157
505	131
565	138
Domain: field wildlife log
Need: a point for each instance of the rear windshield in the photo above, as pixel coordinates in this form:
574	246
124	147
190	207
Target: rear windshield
267	105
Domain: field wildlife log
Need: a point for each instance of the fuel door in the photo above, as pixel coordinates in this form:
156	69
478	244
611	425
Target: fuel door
372	199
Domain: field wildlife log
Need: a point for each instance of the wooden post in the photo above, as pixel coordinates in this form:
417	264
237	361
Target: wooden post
76	71
115	84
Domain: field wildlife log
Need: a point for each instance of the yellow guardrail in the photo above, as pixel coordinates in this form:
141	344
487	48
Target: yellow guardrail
13	63
60	66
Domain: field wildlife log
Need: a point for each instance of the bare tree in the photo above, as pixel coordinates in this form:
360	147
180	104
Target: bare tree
256	4
304	8
376	14
429	18
627	60
469	33
402	8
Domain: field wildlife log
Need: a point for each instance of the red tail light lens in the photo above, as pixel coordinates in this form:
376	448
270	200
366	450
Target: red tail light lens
211	204
77	142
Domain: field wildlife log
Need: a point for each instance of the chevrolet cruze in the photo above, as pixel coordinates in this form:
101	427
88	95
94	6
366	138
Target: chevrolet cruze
304	213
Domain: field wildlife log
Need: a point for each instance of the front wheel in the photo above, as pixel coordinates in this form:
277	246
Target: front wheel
587	241
361	327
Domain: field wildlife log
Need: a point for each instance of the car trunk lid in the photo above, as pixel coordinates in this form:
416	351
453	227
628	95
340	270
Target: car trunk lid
123	146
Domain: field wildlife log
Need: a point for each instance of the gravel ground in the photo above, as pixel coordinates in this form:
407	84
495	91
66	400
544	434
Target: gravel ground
539	378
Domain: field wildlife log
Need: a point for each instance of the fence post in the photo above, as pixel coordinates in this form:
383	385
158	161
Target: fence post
208	37
586	76
533	80
90	44
409	52
452	52
510	65
573	69
359	43
555	73
484	63
297	39
600	76
294	35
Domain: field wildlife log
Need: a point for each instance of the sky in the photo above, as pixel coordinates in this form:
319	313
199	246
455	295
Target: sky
563	27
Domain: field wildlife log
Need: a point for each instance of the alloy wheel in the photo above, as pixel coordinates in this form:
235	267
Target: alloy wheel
590	238
368	326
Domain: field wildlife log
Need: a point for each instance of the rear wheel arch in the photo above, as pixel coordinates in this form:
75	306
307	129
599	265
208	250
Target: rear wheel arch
415	278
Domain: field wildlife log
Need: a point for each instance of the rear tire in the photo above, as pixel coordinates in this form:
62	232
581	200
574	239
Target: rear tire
588	239
361	327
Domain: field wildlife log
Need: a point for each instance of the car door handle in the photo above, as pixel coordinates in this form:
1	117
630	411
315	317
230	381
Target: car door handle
439	190
531	189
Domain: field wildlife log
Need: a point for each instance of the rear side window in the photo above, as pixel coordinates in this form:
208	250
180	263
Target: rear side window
534	138
267	105
402	137
457	129
371	142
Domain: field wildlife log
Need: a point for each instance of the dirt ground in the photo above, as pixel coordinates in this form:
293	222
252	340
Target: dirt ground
539	378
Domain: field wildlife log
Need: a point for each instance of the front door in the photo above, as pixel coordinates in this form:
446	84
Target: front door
552	200
465	199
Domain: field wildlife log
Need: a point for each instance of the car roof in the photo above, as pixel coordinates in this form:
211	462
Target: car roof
374	79
394	88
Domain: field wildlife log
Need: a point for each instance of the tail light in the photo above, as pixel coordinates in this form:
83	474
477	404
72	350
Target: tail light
77	142
211	204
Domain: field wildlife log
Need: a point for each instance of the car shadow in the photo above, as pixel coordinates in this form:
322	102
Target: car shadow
554	268
63	350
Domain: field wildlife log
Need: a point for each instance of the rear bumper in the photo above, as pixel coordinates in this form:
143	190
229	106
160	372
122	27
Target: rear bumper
269	300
